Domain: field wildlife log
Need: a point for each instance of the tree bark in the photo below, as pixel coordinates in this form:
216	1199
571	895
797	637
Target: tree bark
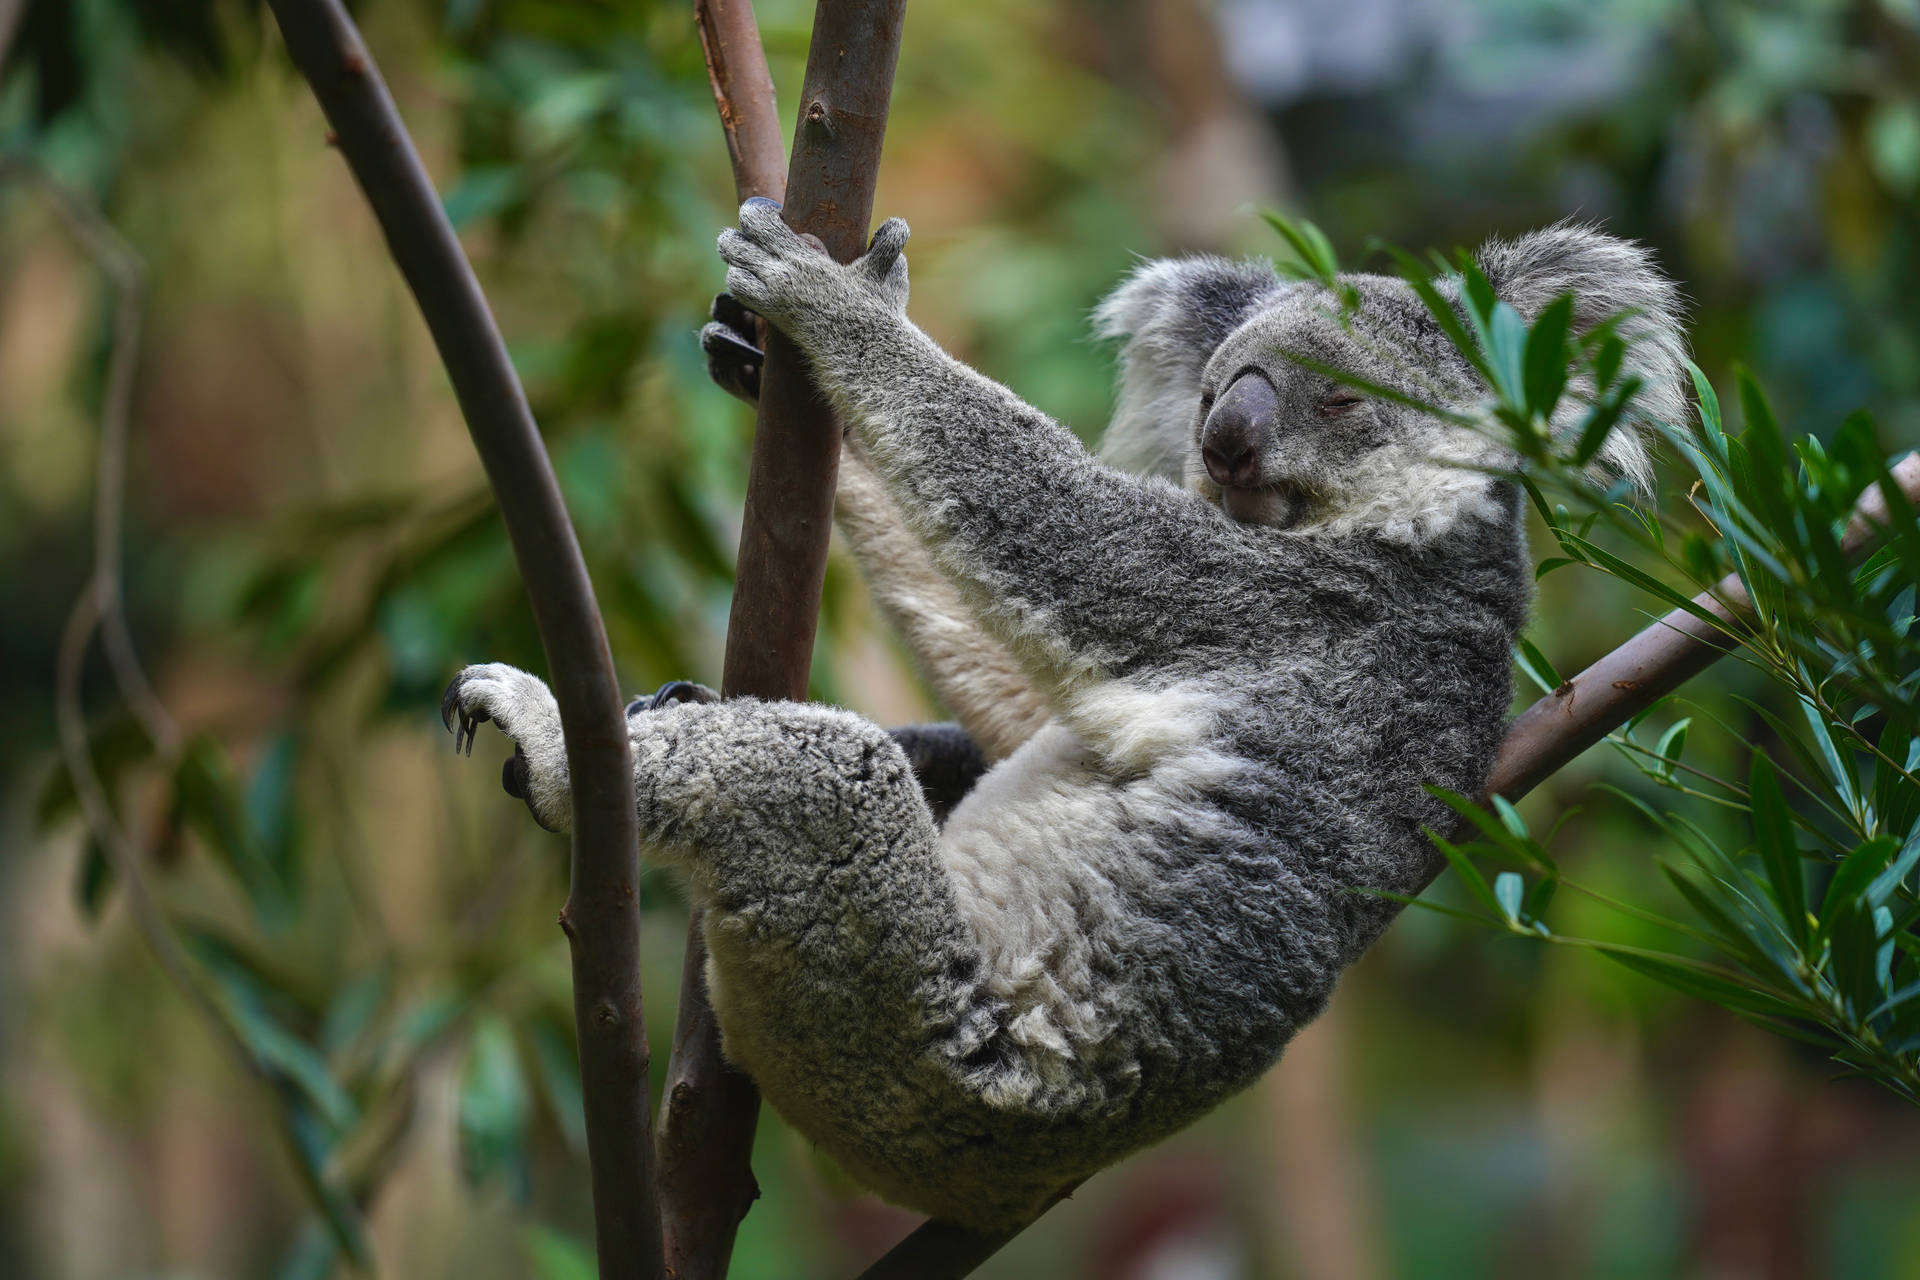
602	913
709	1111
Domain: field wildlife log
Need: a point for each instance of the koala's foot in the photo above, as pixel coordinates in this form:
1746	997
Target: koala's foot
791	281
734	359
523	707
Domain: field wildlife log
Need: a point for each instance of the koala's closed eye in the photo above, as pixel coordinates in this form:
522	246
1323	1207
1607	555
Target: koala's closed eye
1338	404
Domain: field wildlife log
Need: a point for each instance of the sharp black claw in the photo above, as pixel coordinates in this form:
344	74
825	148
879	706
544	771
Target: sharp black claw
448	702
680	691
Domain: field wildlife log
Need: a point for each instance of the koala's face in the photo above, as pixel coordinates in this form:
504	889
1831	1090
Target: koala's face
1278	443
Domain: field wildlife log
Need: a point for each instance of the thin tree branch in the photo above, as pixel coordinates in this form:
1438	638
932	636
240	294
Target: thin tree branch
1550	733
120	263
743	94
710	1109
99	610
99	603
602	913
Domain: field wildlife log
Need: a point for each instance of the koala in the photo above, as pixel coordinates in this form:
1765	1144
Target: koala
1203	680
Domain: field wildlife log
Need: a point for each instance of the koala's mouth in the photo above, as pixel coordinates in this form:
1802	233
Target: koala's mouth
1280	505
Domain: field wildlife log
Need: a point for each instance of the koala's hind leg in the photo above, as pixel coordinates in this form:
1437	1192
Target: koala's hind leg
837	946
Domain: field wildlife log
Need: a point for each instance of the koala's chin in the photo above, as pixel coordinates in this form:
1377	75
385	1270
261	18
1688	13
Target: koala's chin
1278	506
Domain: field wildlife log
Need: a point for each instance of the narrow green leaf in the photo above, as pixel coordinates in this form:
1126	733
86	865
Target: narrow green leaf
1510	891
1672	743
1546	357
1773	832
1848	889
1468	873
1536	665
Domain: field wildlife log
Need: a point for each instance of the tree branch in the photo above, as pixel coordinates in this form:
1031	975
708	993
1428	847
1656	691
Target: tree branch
602	913
709	1111
1549	734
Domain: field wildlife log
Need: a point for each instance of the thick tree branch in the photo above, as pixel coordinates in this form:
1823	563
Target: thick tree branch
602	914
709	1111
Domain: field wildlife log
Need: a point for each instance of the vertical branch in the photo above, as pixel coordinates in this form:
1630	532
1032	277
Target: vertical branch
602	914
709	1111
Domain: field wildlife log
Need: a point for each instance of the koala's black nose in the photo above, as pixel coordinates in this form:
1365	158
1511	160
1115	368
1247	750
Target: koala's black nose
1239	424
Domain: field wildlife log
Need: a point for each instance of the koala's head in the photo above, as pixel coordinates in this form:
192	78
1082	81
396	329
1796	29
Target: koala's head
1214	395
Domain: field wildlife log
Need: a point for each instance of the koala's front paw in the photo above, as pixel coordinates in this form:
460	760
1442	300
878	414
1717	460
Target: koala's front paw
796	286
524	709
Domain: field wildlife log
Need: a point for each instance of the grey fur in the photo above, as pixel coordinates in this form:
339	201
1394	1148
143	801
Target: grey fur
1125	920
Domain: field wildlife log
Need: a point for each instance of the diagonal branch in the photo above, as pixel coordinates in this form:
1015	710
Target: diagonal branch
709	1111
602	914
1549	734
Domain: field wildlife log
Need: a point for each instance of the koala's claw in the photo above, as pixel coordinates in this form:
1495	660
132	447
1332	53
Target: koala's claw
734	361
523	708
669	693
461	721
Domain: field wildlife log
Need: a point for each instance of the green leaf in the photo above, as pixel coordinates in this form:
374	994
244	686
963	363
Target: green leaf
1703	982
208	802
1548	565
1313	258
493	1109
1510	891
1852	880
1672	743
1536	665
1709	406
1839	770
1442	310
1773	832
1507	354
482	193
1732	936
1546	357
1470	874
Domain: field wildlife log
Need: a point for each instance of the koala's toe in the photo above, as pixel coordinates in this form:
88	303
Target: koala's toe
731	312
886	246
737	250
760	222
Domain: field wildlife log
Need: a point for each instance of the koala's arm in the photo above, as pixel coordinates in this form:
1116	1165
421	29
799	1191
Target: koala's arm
1064	557
974	674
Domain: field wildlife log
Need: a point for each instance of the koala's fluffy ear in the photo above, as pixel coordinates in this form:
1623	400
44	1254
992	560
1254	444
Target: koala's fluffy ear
1172	313
1607	276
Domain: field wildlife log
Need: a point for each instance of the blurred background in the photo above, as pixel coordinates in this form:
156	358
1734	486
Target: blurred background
311	552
